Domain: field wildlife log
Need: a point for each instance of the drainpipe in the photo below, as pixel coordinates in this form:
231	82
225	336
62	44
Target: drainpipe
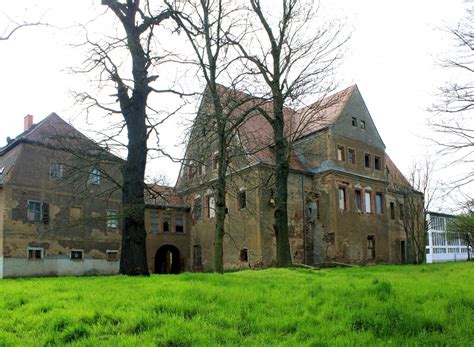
304	220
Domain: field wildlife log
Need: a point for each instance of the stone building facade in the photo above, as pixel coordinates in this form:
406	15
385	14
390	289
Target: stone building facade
344	200
59	214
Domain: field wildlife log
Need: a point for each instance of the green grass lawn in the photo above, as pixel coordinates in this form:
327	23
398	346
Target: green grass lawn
379	305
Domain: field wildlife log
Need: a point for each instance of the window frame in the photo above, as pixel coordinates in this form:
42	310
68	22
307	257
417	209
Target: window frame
78	251
379	208
360	207
378	160
353	151
354	122
154	217
34	250
392	210
363	125
242	199
181	218
112	251
367	160
368	203
112	219
94	176
60	171
342	190
341	153
40	211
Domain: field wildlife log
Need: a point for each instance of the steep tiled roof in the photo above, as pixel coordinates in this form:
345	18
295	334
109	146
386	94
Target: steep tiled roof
256	134
396	180
163	196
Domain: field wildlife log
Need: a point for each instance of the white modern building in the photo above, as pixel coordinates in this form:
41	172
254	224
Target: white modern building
442	246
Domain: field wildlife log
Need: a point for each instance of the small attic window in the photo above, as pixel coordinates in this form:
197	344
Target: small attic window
354	121
2	169
362	124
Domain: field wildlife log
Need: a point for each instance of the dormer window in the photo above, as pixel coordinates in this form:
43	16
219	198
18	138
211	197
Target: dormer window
362	124
354	121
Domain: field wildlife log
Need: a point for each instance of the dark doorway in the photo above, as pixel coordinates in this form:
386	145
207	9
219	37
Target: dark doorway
168	260
403	252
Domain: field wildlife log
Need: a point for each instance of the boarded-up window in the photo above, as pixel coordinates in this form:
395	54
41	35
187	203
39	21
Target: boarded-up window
342	198
75	213
197	257
378	203
154	222
340	153
112	255
197	208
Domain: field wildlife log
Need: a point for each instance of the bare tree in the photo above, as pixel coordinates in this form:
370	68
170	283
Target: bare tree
419	194
10	31
223	109
139	21
290	60
454	121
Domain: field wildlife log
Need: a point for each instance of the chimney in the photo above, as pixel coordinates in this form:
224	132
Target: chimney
28	122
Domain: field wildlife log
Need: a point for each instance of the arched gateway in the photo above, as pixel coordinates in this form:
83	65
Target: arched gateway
168	260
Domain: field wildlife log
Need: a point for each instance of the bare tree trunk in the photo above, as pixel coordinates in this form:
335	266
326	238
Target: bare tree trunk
281	178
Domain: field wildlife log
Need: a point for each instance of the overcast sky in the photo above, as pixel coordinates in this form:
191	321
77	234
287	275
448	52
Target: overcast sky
392	57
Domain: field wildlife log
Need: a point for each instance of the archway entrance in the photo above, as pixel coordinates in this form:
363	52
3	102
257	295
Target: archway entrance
167	260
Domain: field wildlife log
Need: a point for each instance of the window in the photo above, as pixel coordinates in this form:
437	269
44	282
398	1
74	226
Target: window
362	124
378	203
368	202
358	200
351	156
215	162
38	212
203	169
178	224
35	253
242	199
402	214
354	121
378	163
211	206
437	223
154	222
367	160
77	254
197	208
56	170
340	153
112	220
392	210
342	198
371	246
244	255
112	255
197	257
75	213
94	176
166	223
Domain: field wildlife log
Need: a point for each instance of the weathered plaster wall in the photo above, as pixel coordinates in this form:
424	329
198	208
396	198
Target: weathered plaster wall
179	240
58	266
30	180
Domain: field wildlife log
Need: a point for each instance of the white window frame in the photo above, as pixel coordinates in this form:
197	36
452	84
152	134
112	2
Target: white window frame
34	249
112	219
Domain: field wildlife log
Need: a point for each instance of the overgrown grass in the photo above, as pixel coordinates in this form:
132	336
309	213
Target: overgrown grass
380	305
